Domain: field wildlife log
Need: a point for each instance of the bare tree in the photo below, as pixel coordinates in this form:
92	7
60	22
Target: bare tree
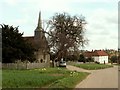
66	34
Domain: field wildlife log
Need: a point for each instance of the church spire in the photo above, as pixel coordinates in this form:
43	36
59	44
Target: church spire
39	27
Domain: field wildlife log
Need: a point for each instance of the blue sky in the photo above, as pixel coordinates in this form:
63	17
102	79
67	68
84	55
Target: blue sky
101	17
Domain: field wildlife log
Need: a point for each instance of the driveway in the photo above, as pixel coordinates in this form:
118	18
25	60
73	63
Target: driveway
104	78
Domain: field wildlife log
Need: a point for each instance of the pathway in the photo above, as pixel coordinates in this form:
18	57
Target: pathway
104	78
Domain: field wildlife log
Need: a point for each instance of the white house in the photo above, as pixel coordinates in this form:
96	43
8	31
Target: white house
100	56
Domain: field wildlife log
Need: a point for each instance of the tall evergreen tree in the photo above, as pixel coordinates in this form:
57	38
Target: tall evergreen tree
14	47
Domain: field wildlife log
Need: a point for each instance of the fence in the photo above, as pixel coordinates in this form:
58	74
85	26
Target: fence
24	65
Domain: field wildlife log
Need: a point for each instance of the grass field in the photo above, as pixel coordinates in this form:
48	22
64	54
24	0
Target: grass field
70	81
37	78
93	66
0	79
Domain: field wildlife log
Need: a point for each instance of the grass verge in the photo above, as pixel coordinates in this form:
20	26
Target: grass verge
116	64
69	81
37	78
93	66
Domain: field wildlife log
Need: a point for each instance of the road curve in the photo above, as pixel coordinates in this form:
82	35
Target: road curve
104	78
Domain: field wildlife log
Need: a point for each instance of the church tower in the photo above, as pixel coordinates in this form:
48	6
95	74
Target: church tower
41	44
38	34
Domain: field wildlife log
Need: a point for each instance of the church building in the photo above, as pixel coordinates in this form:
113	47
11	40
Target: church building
40	43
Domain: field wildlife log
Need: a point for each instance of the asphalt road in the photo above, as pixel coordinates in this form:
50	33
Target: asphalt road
104	78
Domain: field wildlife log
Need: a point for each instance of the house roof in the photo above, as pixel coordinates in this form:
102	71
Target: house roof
100	53
89	54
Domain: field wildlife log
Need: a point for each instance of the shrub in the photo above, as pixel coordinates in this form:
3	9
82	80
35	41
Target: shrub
97	62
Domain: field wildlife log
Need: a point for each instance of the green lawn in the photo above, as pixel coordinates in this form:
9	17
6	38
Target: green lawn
93	66
0	79
70	81
37	78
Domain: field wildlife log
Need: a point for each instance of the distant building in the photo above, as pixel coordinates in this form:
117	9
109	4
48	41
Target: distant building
100	56
88	54
40	43
97	55
112	52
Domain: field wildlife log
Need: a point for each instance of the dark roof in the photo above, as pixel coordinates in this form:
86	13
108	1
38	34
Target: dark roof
88	54
29	39
42	45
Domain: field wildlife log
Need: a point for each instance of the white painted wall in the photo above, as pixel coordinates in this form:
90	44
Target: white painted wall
101	59
96	58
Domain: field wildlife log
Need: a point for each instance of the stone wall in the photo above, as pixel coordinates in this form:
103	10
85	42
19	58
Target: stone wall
24	65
